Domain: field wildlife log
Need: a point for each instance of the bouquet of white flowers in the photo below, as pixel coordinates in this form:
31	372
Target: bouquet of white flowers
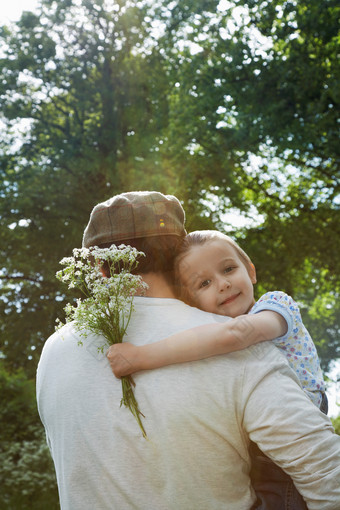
108	304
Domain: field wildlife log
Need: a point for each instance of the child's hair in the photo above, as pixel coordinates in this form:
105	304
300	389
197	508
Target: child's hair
201	237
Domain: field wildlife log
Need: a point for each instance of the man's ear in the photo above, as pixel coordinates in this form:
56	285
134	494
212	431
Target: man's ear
252	272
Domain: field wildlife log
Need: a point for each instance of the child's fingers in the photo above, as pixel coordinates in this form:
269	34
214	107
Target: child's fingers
120	365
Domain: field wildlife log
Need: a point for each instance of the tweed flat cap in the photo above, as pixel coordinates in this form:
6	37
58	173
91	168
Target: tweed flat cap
133	215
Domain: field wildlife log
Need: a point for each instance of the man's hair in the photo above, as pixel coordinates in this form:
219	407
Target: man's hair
160	254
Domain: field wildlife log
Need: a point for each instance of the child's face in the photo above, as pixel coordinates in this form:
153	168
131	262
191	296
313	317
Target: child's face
217	280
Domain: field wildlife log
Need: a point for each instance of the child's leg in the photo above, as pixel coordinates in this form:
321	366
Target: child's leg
273	487
324	404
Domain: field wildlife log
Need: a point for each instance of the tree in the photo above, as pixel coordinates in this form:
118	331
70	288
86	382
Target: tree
212	106
253	126
229	106
80	79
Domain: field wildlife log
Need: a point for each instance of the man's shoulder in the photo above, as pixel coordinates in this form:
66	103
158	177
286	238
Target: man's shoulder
172	307
61	333
68	337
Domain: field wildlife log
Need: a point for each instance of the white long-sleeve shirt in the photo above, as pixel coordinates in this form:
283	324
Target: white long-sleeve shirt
199	418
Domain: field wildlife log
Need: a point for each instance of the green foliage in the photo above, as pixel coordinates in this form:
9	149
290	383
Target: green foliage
253	123
231	107
226	111
28	475
26	470
91	110
227	107
336	424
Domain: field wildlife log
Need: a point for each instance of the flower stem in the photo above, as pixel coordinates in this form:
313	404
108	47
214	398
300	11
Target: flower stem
130	401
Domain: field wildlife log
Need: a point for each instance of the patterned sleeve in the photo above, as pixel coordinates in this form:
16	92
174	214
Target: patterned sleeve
281	303
296	344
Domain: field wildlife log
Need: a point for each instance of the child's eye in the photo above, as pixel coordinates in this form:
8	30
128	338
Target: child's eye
205	283
228	269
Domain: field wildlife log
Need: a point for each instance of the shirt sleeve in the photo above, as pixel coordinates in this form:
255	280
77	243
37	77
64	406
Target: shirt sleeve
290	430
281	303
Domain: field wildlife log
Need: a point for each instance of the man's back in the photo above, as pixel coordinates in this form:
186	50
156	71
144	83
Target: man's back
197	418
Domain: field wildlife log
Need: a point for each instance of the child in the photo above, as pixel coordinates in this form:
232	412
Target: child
217	276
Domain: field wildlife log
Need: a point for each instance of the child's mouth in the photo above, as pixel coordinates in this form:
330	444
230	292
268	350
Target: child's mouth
230	299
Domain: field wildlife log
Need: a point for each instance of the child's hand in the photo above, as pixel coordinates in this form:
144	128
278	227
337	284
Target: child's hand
123	359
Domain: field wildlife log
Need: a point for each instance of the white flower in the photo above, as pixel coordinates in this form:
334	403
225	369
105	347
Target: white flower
108	303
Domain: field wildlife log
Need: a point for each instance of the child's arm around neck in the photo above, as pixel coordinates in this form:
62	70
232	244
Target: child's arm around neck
197	343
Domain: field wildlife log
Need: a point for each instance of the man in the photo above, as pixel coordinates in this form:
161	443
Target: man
199	416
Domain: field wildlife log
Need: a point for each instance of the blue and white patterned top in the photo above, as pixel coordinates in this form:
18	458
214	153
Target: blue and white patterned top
296	344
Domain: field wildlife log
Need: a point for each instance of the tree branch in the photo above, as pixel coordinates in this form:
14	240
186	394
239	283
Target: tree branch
19	277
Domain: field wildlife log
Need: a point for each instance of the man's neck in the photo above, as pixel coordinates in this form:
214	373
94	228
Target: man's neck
158	286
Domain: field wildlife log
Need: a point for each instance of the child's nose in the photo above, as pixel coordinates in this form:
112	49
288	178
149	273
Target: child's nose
224	283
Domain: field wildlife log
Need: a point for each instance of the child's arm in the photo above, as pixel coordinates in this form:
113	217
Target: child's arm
197	343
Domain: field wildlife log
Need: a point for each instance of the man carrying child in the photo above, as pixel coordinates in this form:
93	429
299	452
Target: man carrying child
199	416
